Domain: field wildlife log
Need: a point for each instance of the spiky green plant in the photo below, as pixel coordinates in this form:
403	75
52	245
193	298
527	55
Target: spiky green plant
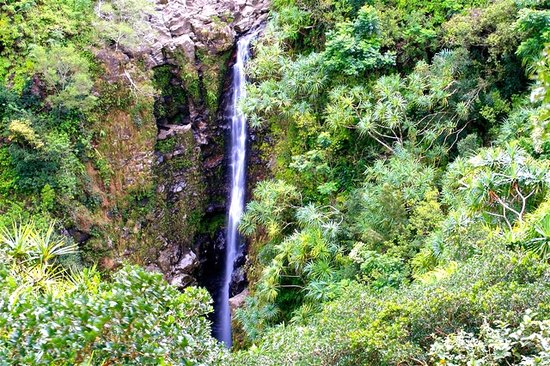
541	243
32	254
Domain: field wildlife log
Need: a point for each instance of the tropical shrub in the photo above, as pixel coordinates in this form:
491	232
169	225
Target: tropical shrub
55	313
526	344
366	326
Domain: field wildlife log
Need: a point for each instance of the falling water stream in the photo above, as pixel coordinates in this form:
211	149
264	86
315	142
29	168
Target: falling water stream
222	321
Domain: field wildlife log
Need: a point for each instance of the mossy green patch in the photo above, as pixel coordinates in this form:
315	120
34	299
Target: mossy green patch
214	69
172	99
166	146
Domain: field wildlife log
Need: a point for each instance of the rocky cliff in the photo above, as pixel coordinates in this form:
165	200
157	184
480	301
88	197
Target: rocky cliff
164	206
199	25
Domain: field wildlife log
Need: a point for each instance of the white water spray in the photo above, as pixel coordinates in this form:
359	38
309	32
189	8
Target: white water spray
238	183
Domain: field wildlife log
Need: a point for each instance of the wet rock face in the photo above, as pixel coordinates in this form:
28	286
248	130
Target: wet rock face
210	25
238	280
189	58
178	265
238	300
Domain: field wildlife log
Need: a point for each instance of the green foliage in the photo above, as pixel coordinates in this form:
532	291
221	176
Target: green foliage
123	22
47	196
105	171
304	22
541	93
354	48
272	208
25	23
47	100
304	267
393	327
489	29
51	316
22	133
51	85
135	319
525	344
533	232
413	28
398	206
427	108
53	163
468	145
32	254
533	23
7	173
502	183
171	99
66	75
166	146
541	242
417	166
378	270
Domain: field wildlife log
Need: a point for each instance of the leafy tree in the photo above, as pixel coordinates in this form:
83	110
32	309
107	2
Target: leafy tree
303	23
397	206
271	211
502	183
303	266
376	269
124	22
541	242
354	48
67	77
488	29
136	319
25	24
428	108
53	162
22	133
533	23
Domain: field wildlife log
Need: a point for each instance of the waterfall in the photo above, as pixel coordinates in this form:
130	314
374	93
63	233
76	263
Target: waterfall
222	321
